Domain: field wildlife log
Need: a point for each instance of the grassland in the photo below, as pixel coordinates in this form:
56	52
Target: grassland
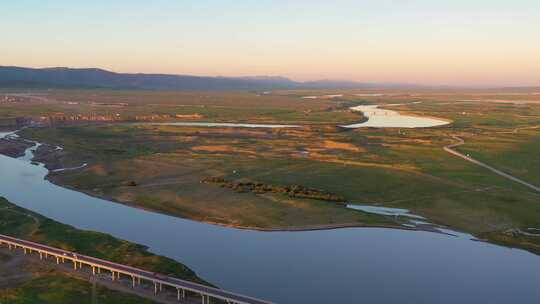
390	167
214	106
55	287
171	169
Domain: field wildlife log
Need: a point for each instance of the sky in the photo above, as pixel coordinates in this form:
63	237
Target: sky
434	42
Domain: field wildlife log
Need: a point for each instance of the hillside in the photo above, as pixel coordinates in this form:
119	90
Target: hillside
61	77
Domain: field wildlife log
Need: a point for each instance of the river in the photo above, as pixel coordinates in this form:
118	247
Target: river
353	265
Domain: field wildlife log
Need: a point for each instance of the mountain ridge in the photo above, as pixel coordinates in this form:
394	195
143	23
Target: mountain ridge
65	77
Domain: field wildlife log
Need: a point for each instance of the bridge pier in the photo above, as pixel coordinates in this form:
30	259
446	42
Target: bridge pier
182	295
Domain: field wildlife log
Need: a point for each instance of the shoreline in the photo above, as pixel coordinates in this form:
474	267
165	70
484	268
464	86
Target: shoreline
240	227
134	254
406	113
51	164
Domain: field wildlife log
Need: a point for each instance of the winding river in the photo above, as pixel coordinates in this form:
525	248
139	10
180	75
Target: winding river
353	265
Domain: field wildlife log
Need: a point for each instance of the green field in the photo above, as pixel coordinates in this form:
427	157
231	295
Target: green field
227	106
161	167
53	287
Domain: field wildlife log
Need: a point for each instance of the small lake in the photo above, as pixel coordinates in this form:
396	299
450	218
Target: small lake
220	124
377	118
382	118
353	265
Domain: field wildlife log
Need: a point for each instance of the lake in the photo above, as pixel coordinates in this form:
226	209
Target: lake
382	118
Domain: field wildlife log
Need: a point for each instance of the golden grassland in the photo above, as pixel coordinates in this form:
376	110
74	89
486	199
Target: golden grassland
227	106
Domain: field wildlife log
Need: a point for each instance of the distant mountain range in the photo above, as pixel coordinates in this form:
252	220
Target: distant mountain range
20	77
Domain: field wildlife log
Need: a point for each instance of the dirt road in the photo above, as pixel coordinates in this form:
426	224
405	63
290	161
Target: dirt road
450	149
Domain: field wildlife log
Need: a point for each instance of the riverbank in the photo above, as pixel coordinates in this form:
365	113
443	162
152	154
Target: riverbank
14	147
24	224
29	282
50	157
116	161
390	223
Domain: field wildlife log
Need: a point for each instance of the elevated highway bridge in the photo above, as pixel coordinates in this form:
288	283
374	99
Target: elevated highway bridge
137	275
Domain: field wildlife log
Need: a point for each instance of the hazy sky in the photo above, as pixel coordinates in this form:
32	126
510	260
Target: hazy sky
471	42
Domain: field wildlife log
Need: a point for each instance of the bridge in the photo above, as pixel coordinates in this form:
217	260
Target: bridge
137	275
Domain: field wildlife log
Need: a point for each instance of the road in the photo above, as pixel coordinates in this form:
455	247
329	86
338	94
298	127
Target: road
450	149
